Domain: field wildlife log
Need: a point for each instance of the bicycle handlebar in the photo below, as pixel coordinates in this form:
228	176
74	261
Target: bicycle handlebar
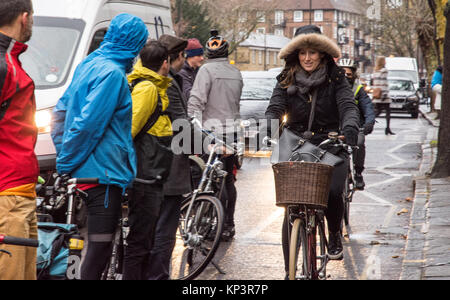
10	240
196	122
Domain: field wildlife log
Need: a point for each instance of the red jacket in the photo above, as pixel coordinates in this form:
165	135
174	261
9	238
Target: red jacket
18	131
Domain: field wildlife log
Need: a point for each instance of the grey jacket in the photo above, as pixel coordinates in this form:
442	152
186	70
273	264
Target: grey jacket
216	94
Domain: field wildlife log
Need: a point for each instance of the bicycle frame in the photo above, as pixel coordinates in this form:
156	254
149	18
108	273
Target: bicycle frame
205	186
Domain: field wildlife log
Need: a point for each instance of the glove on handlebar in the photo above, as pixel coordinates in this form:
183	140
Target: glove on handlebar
368	128
351	136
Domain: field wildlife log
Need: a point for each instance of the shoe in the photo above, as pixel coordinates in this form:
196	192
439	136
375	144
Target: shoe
228	233
335	249
388	131
359	182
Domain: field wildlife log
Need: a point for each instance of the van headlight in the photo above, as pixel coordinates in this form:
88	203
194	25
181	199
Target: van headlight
44	120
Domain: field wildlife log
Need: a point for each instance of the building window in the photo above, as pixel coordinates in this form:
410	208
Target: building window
279	17
253	54
261	30
261	16
318	16
267	57
298	16
275	58
335	15
260	57
279	32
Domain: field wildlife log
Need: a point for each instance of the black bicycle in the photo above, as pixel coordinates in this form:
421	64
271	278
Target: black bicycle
202	217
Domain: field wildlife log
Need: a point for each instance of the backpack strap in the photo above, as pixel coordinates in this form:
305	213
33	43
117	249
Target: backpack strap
154	116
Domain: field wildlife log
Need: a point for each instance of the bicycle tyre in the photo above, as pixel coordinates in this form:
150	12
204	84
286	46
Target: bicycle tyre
347	195
322	248
297	243
201	241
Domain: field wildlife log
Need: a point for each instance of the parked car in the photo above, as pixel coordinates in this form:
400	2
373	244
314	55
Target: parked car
404	96
256	94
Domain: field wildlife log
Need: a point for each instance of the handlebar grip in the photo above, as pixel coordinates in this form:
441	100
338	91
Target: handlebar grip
18	241
85	180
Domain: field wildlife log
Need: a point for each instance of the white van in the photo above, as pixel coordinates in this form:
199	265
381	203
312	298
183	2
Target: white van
64	33
404	67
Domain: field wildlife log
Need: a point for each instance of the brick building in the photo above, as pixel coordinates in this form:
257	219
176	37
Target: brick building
340	20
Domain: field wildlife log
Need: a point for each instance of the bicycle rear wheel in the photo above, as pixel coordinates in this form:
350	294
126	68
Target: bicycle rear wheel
197	243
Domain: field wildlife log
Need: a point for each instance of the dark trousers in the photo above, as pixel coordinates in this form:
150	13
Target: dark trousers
334	212
144	208
379	108
229	194
165	238
104	206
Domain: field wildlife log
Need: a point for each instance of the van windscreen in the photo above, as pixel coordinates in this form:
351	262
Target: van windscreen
51	50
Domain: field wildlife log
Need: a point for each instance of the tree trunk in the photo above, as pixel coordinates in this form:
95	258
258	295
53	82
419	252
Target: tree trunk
432	5
442	166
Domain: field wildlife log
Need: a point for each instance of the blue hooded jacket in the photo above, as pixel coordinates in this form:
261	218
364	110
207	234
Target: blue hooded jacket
91	126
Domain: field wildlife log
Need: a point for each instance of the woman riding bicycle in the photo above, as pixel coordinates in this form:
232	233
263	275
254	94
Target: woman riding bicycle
311	71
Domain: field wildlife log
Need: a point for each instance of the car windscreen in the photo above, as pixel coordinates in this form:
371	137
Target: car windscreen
51	50
405	74
400	85
258	88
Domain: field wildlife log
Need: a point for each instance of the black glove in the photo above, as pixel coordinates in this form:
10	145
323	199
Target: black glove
351	136
368	128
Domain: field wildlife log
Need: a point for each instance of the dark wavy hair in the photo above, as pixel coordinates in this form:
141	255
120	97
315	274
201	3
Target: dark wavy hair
11	9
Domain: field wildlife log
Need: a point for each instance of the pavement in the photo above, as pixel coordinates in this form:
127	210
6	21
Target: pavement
427	252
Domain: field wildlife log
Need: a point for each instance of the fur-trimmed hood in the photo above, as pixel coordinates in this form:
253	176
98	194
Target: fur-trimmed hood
310	39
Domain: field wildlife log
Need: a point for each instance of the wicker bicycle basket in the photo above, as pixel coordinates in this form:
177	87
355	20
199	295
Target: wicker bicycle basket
302	183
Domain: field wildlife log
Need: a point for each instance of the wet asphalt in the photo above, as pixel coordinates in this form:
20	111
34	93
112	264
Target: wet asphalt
374	243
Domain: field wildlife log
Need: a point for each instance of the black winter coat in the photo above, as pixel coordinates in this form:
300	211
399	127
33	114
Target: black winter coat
179	181
335	107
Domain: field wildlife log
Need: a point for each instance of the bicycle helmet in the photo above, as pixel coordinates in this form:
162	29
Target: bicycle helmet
347	63
216	46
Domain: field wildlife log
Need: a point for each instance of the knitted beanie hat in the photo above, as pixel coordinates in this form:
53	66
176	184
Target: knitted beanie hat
194	48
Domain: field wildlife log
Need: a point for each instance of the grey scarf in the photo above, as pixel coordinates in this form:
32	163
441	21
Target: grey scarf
305	82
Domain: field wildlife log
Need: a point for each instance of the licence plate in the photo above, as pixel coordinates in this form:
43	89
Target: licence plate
396	105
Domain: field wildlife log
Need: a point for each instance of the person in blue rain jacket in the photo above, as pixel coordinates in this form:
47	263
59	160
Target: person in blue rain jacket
91	131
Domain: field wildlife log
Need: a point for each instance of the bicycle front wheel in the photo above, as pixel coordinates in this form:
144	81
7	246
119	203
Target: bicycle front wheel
298	252
198	237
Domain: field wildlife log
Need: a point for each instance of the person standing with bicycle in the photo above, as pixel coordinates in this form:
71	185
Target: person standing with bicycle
311	72
179	180
152	133
367	114
215	100
19	168
91	131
